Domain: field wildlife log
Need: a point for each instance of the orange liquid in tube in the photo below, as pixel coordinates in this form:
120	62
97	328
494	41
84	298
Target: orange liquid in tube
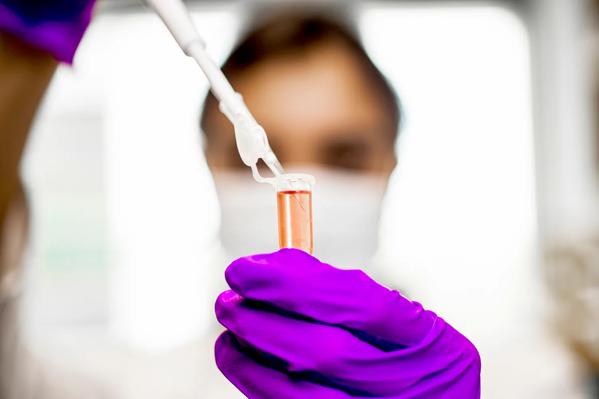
295	219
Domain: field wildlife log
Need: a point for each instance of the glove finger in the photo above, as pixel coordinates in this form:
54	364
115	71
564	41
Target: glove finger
258	381
296	282
335	357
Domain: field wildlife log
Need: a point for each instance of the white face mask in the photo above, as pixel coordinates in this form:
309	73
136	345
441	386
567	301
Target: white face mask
346	208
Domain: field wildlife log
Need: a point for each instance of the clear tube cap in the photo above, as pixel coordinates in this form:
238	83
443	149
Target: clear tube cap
293	182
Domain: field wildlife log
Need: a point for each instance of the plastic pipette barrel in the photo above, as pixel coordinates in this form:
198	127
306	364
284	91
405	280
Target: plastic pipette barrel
294	208
251	139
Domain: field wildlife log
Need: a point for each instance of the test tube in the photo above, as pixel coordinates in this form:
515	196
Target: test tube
294	206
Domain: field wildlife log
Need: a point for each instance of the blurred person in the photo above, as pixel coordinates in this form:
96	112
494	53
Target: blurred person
327	109
34	37
296	327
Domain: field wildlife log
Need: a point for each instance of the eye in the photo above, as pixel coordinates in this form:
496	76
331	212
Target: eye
351	154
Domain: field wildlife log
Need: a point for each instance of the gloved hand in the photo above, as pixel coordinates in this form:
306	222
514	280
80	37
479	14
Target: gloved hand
299	328
56	26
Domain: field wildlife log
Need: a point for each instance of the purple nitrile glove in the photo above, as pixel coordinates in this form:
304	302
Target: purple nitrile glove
55	26
299	328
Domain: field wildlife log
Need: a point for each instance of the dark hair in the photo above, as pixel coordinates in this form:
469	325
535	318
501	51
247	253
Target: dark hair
292	34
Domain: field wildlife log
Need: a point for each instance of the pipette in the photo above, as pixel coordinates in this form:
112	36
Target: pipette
294	190
251	139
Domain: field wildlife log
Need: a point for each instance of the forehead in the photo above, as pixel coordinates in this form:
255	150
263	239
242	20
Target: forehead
319	89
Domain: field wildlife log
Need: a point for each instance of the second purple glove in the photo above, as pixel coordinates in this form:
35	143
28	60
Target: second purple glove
56	26
299	328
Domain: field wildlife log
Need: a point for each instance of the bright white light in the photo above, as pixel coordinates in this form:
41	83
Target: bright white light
460	216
